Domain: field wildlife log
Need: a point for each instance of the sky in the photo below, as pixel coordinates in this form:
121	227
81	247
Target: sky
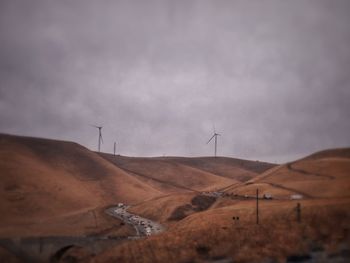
272	77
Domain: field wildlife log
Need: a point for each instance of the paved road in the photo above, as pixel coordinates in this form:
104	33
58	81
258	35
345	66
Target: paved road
143	226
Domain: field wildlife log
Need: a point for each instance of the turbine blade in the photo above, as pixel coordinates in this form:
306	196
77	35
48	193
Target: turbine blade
211	138
101	138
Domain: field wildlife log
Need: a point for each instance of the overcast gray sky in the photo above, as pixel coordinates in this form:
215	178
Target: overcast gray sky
272	76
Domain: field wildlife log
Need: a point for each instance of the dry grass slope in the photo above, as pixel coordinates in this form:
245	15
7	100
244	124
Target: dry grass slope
180	179
238	169
212	234
50	187
167	174
46	180
321	175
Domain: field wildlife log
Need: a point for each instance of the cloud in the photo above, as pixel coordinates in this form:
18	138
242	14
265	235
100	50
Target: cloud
271	76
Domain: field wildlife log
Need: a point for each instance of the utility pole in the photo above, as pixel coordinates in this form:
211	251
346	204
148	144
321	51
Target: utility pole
237	228
40	245
257	206
298	212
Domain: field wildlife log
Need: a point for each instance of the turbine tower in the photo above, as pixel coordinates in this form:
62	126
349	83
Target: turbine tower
115	147
215	136
99	136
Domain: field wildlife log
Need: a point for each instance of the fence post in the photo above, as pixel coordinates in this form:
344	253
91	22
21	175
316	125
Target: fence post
298	212
40	245
238	228
257	206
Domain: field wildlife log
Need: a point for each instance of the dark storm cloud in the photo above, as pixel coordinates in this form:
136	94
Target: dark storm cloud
272	76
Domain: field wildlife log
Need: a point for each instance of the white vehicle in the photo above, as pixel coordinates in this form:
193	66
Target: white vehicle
296	197
267	196
148	231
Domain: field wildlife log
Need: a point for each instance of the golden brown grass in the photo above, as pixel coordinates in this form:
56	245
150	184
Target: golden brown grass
89	222
60	188
161	208
173	174
213	234
46	181
330	153
238	169
323	175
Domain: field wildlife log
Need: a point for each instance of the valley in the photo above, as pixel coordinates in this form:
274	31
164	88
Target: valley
61	201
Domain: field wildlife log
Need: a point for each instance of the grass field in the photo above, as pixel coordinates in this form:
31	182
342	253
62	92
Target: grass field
213	235
57	188
45	184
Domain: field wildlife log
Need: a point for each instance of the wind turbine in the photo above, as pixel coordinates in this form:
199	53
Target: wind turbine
99	136
115	147
215	136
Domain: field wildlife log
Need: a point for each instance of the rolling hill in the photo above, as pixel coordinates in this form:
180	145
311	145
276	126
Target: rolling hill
43	179
237	169
212	236
321	175
50	187
178	174
170	174
57	187
182	179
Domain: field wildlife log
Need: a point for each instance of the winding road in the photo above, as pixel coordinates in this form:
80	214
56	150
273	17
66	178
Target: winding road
147	227
143	226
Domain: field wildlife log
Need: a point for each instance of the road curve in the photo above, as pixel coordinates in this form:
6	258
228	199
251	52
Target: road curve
143	226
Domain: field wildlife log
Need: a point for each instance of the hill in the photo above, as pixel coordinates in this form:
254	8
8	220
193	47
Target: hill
321	175
238	169
45	180
321	234
183	179
330	153
58	187
170	176
50	187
